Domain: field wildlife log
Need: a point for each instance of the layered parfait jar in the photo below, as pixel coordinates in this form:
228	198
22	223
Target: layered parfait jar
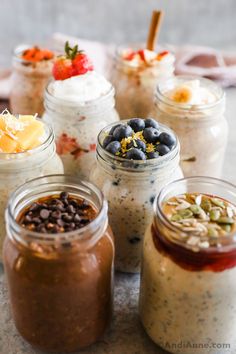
187	295
194	108
58	257
18	167
135	74
130	184
79	103
32	69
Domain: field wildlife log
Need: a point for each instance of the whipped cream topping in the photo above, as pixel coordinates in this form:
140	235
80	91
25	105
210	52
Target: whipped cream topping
81	88
146	57
191	92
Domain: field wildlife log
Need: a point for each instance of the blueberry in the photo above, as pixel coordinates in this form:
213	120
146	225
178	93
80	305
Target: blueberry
135	154
137	124
107	140
113	128
167	139
151	123
121	132
151	135
162	149
137	144
153	154
113	147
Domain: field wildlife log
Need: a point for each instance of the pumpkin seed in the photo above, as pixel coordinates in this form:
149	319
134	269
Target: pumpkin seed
185	213
226	227
214	214
218	202
176	217
206	205
212	232
196	209
225	220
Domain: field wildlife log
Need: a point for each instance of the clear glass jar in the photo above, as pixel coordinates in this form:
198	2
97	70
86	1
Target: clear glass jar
29	81
17	168
135	86
60	291
76	128
202	129
130	187
187	297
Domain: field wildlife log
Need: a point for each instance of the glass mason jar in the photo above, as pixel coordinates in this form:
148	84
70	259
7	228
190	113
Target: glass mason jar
29	80
17	168
76	128
60	293
135	86
202	129
130	187
187	297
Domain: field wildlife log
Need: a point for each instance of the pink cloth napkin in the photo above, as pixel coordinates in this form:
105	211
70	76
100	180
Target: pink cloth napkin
190	60
206	62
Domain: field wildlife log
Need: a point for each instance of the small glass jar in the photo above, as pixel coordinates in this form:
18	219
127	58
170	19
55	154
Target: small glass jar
29	80
202	129
76	128
60	291
187	296
130	187
135	86
17	168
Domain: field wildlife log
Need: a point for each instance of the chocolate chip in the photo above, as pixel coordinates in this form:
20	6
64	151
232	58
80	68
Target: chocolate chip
44	214
36	220
34	206
67	217
64	195
70	209
77	218
56	214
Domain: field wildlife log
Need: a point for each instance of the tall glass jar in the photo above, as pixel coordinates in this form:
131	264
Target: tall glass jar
60	285
187	296
202	129
130	187
76	128
135	85
29	80
17	168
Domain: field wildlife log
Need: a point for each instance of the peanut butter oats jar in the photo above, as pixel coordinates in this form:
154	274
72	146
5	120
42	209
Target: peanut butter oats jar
194	108
58	257
188	286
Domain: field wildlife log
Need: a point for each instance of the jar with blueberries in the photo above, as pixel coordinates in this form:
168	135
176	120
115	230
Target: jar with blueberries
135	160
76	127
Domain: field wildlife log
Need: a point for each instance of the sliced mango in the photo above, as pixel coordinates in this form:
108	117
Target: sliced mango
19	134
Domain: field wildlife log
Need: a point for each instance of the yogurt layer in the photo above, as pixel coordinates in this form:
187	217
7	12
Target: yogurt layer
81	88
191	92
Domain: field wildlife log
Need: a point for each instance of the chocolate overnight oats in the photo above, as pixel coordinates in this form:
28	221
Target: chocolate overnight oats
27	150
135	159
189	263
32	68
194	109
135	74
58	257
79	103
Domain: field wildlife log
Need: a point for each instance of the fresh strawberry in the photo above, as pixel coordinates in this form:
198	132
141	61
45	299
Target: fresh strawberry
81	64
62	69
74	62
141	53
129	56
162	54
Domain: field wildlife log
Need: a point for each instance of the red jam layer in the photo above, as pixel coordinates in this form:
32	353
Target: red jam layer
207	259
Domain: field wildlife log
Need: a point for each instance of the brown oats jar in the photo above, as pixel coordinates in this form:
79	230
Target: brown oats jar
60	284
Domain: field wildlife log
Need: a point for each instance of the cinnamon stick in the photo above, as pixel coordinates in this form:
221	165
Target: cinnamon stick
154	29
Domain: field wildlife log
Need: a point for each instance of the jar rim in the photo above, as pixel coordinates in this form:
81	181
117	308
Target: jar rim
58	179
186	107
136	165
56	100
47	141
160	215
